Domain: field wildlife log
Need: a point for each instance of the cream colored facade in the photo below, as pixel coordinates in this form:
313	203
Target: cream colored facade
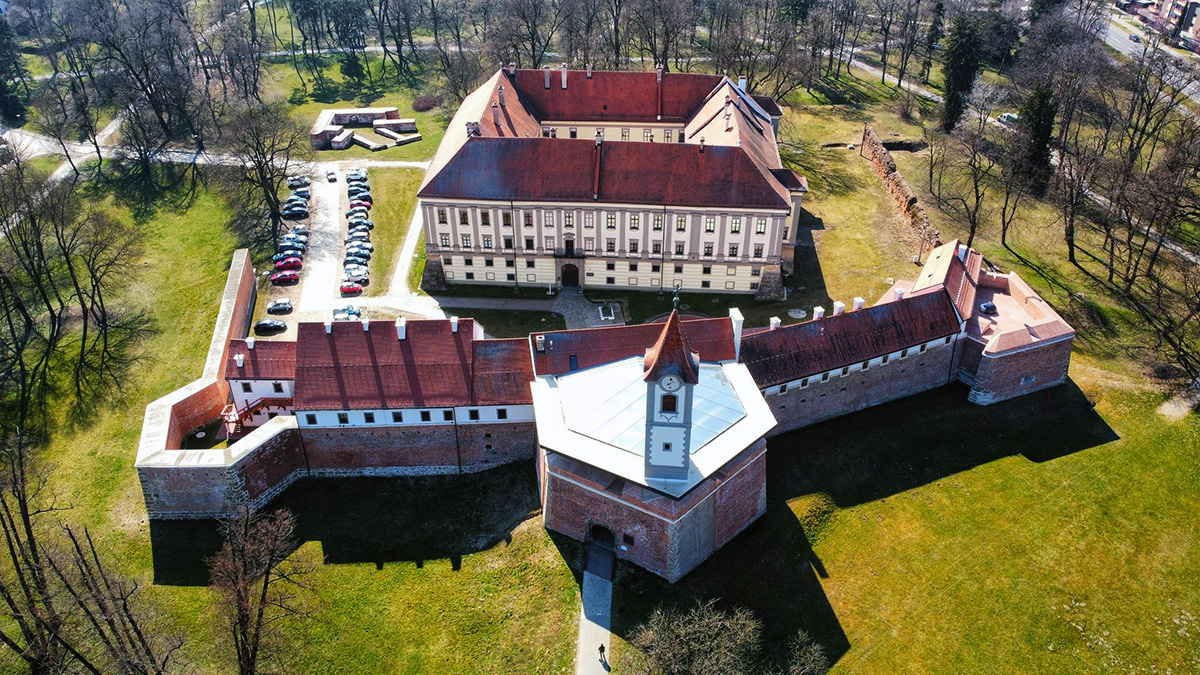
632	246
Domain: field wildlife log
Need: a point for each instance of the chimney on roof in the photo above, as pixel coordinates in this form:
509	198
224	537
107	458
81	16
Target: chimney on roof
250	342
546	69
858	304
501	96
512	67
899	293
328	327
962	252
775	323
742	83
366	326
659	70
589	71
454	324
818	313
496	114
239	359
401	328
735	318
564	75
839	307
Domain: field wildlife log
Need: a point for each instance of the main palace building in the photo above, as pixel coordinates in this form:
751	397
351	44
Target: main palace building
602	179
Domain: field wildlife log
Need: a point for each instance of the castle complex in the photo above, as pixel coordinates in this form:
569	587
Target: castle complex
653	437
623	180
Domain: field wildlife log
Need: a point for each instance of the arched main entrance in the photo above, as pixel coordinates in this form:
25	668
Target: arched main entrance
570	275
602	536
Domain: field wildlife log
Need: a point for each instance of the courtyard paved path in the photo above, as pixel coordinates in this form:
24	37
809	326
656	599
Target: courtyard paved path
595	614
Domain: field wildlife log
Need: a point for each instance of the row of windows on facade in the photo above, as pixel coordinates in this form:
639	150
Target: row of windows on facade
610	221
277	387
844	371
589	244
669	135
611	281
398	416
447	261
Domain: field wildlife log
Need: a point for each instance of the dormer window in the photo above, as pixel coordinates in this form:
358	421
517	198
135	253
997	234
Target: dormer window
670	403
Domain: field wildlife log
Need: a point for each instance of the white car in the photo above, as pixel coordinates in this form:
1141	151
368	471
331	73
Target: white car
331	176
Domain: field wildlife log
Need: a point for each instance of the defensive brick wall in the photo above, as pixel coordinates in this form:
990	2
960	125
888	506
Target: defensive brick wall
898	187
802	406
1007	375
411	451
214	483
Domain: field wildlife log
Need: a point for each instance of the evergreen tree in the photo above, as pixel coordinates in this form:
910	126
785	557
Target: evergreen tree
960	67
932	37
12	76
1040	8
1035	129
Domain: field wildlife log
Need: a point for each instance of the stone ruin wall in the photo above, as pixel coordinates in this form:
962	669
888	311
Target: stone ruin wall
898	187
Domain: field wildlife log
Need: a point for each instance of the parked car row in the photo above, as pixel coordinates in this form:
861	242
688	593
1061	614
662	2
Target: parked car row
295	207
289	256
356	264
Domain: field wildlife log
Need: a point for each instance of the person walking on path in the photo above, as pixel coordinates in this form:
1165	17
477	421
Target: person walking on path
601	652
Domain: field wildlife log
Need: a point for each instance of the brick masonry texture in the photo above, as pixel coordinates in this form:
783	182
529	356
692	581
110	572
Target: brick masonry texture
860	389
670	536
999	378
416	450
899	188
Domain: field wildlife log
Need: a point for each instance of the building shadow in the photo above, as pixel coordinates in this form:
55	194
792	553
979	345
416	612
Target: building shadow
914	441
769	569
806	286
373	520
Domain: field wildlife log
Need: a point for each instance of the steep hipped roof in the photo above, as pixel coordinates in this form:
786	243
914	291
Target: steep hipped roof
269	360
349	368
711	338
557	169
729	117
671	354
614	96
804	349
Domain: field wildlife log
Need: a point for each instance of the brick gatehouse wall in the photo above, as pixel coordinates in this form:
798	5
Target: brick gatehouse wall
880	383
433	449
667	536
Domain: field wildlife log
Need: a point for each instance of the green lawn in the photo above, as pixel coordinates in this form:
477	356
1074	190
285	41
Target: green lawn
395	192
475	588
282	81
513	324
45	163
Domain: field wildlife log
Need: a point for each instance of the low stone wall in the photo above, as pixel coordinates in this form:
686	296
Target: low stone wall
899	188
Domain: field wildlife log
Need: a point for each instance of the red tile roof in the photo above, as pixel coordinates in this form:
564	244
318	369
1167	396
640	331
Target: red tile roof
671	353
351	369
614	96
269	360
557	169
712	338
791	180
768	105
502	371
805	349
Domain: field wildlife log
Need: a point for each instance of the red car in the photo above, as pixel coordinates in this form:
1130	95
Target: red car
285	277
351	288
292	263
358	202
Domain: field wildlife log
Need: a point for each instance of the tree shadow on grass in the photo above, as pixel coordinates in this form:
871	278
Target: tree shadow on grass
373	520
170	185
825	169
